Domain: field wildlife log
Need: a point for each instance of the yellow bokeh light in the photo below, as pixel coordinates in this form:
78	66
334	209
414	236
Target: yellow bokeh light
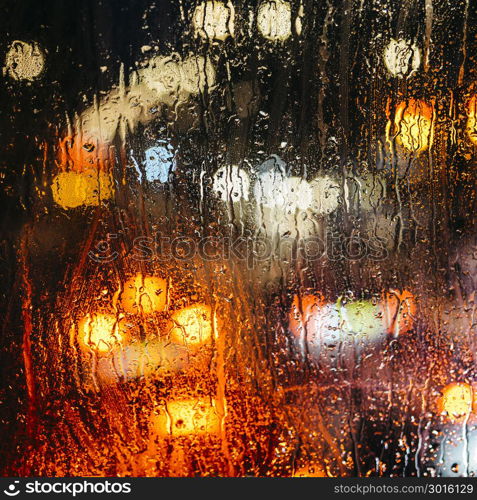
456	400
100	333
413	125
144	294
192	325
24	61
214	20
274	20
471	126
75	189
187	417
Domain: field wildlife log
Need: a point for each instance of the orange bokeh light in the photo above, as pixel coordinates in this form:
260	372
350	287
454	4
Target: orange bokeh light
100	332
78	155
192	326
456	401
302	310
471	126
144	295
398	310
187	417
412	125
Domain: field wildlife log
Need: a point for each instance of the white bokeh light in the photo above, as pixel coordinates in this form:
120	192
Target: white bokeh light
372	191
275	189
161	80
326	195
327	331
274	20
231	183
402	58
177	77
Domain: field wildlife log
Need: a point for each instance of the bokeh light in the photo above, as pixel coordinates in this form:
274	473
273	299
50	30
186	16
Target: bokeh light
159	162
413	125
144	295
24	61
456	400
100	333
192	326
88	188
471	126
274	20
187	417
231	184
402	58
214	20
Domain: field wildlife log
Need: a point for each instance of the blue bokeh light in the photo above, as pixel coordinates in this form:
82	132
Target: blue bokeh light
159	162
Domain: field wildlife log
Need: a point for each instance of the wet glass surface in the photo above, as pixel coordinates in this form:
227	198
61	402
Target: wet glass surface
238	238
